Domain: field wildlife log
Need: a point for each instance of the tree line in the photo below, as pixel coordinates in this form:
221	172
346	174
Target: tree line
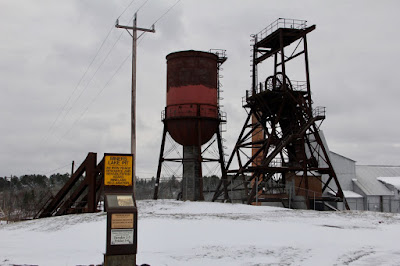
22	197
170	188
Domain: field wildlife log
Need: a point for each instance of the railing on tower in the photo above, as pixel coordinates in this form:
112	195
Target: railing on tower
281	23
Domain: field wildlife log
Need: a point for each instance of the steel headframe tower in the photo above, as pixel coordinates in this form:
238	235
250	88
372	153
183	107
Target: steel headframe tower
289	162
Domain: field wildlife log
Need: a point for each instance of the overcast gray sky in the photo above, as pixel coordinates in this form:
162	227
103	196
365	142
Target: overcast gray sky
52	112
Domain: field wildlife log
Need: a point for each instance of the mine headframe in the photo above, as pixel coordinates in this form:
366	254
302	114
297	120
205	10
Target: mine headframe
280	155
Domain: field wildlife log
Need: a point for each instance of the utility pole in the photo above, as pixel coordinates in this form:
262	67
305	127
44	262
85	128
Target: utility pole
134	29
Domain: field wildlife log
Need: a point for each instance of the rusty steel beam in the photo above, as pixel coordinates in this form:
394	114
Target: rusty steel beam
67	187
88	190
91	183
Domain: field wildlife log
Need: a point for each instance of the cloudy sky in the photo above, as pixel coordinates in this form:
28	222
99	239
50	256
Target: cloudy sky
65	74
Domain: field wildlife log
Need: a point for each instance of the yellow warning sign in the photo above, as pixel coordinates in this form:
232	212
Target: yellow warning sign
121	220
118	170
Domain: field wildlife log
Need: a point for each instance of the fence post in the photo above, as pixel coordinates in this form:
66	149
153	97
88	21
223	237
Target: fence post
257	191
314	200
232	190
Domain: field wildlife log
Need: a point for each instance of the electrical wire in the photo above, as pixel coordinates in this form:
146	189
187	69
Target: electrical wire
98	94
61	167
157	20
101	64
94	74
145	2
166	12
126	8
92	77
52	127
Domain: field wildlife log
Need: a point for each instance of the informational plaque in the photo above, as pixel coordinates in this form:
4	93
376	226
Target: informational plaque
125	201
121	237
118	170
122	220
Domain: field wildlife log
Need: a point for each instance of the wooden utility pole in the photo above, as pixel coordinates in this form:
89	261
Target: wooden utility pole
134	29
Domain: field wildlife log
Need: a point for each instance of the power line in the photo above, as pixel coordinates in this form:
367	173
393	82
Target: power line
140	7
51	129
52	171
163	15
98	68
101	64
91	78
95	98
145	2
166	12
126	8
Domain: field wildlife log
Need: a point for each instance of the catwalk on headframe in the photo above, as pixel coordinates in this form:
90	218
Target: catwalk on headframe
280	155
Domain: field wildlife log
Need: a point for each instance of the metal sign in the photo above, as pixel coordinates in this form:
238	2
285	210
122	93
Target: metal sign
118	170
121	237
121	220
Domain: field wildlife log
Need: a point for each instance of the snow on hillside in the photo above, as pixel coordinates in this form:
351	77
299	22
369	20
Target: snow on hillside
203	233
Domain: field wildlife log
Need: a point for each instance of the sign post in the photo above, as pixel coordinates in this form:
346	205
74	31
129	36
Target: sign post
120	204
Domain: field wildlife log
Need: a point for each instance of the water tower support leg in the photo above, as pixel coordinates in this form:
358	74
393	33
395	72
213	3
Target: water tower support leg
160	161
222	163
199	161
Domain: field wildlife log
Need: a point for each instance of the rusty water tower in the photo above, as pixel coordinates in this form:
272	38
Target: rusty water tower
192	114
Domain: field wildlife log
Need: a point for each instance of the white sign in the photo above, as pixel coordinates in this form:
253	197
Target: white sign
121	236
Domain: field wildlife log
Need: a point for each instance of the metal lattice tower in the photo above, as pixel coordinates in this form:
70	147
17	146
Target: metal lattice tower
280	155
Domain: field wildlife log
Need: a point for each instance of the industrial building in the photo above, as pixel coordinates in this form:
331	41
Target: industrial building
368	187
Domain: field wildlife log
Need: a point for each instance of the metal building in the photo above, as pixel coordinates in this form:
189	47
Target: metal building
345	169
379	186
367	187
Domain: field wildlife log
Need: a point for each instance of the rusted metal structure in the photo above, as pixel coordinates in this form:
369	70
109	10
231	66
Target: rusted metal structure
80	194
192	115
288	162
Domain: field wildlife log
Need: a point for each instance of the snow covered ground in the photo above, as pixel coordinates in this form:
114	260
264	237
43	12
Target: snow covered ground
202	233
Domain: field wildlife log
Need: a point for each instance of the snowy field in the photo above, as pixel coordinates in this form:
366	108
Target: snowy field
201	233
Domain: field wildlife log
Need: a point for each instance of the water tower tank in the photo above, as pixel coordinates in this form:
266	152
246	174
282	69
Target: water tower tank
191	114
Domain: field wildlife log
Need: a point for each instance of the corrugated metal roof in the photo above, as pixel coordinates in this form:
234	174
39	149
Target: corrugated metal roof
367	179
